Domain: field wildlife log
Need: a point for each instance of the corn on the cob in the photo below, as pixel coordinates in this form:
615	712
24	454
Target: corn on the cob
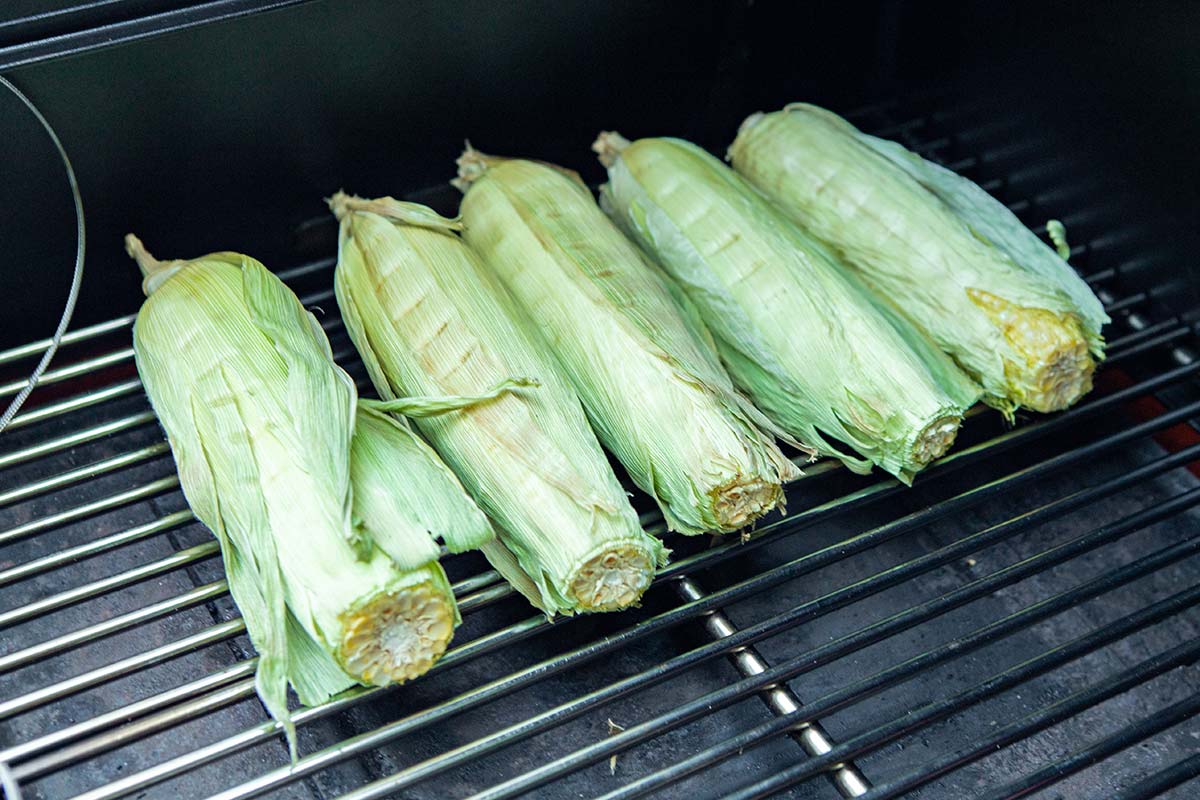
803	339
428	319
262	426
956	261
651	384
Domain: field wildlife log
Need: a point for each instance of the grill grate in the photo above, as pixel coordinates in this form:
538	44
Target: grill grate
1018	618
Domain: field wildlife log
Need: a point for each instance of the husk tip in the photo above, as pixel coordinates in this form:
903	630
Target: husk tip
608	147
137	251
148	264
747	124
471	166
339	203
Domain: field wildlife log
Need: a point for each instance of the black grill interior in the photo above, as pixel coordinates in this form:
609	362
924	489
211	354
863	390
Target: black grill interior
1022	622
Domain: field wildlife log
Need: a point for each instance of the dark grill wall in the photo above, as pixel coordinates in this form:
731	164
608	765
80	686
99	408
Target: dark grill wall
228	135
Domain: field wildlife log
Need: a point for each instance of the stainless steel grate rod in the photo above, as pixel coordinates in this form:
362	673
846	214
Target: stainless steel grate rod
70	440
948	651
124	354
702	559
899	526
218	632
87	472
1001	682
112	721
795	666
178	559
1162	782
812	736
86	680
1063	768
136	494
330	324
108	627
36	348
122	389
70	555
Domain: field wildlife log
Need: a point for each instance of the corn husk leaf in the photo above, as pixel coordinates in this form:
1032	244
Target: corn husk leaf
405	497
649	379
951	257
806	342
260	421
430	322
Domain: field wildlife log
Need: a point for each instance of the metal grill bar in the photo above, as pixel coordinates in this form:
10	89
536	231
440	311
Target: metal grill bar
950	506
37	347
203	755
91	509
116	717
141	728
1128	736
200	594
122	389
84	473
202	704
793	667
329	324
75	370
217	633
905	620
999	683
1163	782
781	700
64	748
66	442
68	641
1149	344
126	354
78	402
978	494
760	583
70	555
54	602
75	476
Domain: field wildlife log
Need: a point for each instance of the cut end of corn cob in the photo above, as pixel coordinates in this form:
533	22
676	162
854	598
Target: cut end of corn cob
397	636
1058	365
613	579
935	439
608	147
741	501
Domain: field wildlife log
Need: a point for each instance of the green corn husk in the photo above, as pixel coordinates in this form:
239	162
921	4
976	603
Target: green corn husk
262	426
429	320
803	339
955	260
650	382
